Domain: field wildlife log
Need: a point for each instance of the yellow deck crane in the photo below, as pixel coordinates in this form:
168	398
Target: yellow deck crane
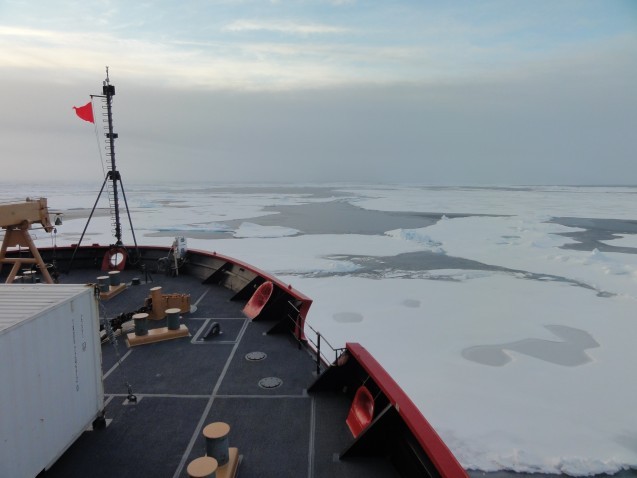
16	219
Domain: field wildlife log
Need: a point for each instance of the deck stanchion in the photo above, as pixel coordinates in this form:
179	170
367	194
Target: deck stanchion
217	441
318	354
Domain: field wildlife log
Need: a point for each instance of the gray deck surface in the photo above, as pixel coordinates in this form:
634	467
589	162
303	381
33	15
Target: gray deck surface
183	384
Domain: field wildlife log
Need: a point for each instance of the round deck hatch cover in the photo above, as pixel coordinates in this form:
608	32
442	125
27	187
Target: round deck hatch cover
270	382
255	356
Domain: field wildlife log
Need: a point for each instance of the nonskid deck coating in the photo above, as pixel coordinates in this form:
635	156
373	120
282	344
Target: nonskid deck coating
183	384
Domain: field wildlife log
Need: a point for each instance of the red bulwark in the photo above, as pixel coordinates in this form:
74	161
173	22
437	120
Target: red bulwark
440	455
305	301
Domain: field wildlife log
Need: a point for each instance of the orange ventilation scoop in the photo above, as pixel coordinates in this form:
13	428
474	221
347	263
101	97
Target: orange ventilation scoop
258	300
361	412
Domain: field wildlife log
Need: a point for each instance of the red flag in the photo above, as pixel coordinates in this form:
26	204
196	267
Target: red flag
85	112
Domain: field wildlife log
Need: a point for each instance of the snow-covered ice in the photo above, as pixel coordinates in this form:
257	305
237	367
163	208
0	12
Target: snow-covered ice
249	229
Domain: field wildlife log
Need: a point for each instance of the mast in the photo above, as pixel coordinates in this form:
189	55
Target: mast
109	91
115	258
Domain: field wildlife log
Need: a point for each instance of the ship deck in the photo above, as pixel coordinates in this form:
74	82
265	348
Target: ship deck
181	385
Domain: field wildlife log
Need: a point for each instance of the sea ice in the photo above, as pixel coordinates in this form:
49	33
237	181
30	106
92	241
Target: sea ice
629	240
248	229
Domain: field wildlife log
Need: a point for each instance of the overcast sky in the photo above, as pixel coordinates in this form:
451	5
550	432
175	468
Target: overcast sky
441	93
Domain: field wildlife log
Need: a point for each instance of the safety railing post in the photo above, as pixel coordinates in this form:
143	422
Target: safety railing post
318	354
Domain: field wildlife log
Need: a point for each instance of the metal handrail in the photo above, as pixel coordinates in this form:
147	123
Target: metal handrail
319	339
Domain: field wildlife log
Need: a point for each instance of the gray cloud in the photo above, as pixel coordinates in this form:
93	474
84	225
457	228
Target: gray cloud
566	121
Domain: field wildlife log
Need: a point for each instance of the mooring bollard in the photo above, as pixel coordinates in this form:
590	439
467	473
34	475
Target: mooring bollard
103	282
141	324
157	300
216	435
202	467
173	318
114	278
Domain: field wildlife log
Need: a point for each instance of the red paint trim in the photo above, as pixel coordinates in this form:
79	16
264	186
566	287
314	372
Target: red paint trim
442	458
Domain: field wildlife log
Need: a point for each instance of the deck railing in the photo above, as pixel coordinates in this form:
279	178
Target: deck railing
317	344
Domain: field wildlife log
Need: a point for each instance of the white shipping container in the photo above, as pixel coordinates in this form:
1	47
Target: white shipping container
51	386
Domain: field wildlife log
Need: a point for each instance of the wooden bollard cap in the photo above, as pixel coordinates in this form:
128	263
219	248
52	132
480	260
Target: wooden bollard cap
202	467
174	310
140	316
216	430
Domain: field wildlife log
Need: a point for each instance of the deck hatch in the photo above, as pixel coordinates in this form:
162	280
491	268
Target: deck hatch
270	382
255	356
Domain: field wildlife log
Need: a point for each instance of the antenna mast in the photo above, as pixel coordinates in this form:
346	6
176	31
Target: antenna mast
109	91
115	258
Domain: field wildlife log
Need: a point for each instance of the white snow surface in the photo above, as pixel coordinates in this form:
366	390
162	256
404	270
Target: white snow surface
529	370
628	240
249	229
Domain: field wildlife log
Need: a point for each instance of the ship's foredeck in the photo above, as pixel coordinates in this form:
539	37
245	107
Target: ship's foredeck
181	385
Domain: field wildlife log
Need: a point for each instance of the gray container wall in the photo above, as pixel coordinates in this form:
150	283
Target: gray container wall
50	373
